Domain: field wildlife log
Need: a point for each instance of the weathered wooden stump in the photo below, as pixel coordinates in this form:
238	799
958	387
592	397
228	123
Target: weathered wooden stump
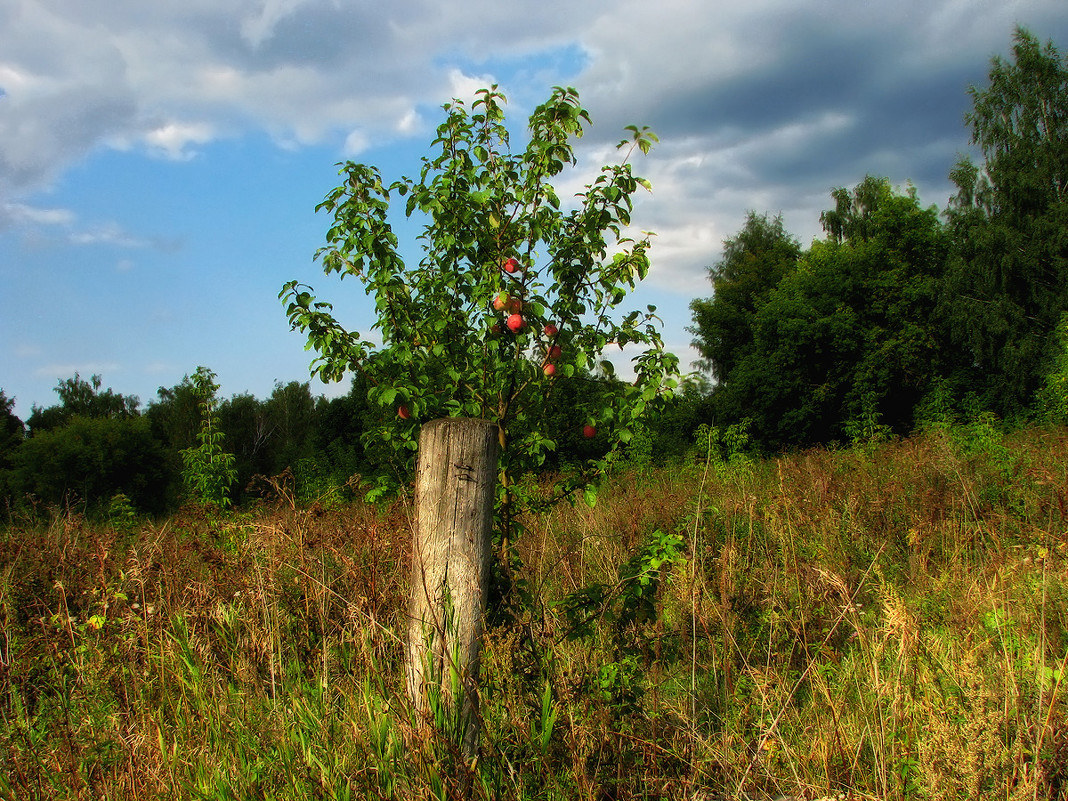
455	485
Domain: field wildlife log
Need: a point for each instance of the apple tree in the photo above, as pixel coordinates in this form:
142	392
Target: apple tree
517	290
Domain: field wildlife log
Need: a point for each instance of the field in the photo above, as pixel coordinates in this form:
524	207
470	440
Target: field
885	622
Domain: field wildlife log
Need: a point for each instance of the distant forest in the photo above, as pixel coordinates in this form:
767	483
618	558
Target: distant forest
901	316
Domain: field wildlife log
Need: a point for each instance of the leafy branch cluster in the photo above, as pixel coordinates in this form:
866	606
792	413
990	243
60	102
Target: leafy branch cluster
209	471
514	292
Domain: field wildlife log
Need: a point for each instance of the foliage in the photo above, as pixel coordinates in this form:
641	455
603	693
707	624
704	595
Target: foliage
12	430
513	297
1009	279
849	334
81	398
726	450
754	261
1053	396
209	470
90	446
88	460
175	415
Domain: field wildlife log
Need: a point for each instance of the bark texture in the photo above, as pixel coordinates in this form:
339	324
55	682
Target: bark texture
455	486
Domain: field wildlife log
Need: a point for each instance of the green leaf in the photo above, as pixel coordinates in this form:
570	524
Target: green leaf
589	495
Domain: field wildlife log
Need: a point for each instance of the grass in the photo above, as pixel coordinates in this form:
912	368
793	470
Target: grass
887	622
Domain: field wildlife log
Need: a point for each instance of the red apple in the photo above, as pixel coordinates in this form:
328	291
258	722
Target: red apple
515	305
403	413
551	330
549	370
554	352
589	432
515	322
511	265
500	301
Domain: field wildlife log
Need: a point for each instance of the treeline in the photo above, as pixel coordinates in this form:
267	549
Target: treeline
96	444
902	313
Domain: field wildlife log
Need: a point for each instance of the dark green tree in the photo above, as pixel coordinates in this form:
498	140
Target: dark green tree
88	460
850	333
175	415
12	429
290	413
81	398
1008	283
754	261
12	434
338	437
249	434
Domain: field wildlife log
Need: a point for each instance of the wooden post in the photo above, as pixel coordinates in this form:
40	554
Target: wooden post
455	485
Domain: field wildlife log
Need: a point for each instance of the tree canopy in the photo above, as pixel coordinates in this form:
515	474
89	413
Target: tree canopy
754	261
846	333
1008	279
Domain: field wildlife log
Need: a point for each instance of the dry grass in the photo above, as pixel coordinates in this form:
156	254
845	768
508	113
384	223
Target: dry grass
884	623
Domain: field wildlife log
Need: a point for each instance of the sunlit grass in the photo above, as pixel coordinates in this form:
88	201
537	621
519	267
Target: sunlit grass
889	622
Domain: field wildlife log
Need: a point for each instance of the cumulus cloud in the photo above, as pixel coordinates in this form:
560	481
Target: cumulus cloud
14	214
175	74
40	224
173	139
763	104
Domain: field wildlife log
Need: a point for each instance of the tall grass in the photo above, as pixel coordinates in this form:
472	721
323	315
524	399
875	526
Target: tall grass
887	622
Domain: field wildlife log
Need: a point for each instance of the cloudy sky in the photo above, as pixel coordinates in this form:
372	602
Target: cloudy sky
160	161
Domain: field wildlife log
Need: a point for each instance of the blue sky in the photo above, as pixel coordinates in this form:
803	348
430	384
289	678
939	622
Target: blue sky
160	162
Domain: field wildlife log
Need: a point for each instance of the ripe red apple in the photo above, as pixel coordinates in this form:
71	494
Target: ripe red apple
500	301
589	432
554	352
549	370
515	322
511	265
515	305
403	413
551	330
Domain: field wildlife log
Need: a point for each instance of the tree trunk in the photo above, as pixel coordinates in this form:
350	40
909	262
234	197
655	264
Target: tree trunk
455	485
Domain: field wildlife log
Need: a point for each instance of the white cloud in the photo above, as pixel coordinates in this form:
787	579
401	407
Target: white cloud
173	139
355	143
410	123
21	213
107	234
41	224
465	87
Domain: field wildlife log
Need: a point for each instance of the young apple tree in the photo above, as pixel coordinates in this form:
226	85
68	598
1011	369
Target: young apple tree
516	295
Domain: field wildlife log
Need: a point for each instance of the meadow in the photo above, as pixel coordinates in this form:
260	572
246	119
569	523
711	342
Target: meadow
888	621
